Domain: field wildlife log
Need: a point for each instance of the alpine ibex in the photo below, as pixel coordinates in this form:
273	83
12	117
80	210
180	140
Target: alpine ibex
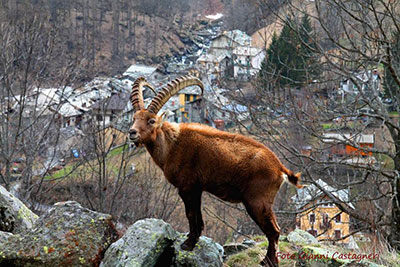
197	158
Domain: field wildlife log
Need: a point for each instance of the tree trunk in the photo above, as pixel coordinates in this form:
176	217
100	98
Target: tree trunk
395	226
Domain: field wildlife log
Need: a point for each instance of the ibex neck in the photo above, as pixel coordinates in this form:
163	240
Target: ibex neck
165	137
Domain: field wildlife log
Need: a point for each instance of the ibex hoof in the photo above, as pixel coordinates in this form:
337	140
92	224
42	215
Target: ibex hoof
188	245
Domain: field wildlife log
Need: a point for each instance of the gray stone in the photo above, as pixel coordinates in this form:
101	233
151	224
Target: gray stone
67	235
152	242
15	217
143	244
233	248
352	243
249	242
300	237
206	253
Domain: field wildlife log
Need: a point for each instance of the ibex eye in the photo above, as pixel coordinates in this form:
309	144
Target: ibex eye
152	121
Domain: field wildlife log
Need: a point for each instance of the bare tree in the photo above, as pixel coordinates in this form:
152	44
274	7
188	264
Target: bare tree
313	123
32	59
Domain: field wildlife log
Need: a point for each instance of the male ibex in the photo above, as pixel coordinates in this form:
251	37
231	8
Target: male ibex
197	158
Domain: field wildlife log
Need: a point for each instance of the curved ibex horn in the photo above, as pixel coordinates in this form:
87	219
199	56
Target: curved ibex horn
171	89
137	93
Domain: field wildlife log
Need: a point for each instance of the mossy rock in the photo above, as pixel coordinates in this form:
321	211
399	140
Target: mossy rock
15	217
143	244
300	237
206	253
66	235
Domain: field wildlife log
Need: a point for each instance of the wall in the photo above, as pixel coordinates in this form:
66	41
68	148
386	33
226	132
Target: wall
331	211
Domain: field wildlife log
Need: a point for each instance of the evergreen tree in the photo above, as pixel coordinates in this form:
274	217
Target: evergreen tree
309	66
289	60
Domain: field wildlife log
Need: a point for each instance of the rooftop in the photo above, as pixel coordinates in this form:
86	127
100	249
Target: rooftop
139	70
342	137
237	36
116	102
312	192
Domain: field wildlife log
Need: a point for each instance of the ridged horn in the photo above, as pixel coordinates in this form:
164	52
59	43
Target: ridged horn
171	89
137	93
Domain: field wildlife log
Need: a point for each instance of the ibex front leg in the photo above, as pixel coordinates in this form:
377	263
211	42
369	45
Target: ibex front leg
192	200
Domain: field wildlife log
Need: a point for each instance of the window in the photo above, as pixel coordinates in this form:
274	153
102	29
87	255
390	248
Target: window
338	234
99	118
337	218
326	223
313	232
187	98
312	218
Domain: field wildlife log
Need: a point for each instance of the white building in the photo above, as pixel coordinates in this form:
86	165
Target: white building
247	61
223	44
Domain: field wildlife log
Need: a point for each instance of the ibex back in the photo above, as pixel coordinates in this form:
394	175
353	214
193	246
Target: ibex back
197	158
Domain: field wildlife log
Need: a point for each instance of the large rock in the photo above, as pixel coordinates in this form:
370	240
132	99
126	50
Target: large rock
300	237
205	253
15	217
143	244
152	242
67	235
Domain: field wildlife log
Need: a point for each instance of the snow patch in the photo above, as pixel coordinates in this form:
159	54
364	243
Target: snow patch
215	16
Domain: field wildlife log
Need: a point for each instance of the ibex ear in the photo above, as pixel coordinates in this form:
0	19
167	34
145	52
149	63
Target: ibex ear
162	117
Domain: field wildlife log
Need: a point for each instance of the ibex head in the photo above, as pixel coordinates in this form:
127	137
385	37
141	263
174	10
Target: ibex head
145	121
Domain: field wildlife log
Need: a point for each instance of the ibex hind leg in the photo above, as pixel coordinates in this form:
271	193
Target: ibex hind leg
261	212
192	200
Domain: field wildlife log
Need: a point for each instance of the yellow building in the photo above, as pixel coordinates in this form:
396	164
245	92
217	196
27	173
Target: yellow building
184	98
322	218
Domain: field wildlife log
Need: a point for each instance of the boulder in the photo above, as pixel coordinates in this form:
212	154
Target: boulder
145	243
152	242
300	237
67	235
205	253
15	217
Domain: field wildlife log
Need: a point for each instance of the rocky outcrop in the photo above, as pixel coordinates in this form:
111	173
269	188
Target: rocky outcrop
70	235
152	242
143	244
67	235
15	217
205	253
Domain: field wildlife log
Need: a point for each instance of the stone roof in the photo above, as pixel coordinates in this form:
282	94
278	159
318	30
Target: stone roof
238	36
310	193
139	70
116	102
